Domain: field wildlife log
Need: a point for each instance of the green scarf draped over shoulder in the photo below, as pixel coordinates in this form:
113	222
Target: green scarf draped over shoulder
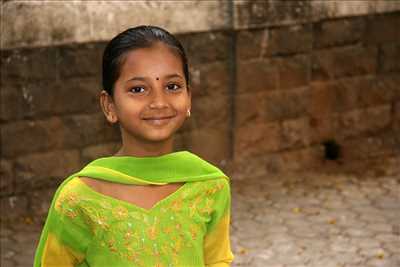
181	166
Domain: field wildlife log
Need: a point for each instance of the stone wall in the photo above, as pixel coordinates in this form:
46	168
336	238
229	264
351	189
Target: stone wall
272	81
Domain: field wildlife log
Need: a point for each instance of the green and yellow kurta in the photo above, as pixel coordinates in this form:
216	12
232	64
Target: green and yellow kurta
189	227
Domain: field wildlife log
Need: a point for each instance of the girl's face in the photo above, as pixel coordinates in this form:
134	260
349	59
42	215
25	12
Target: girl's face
151	99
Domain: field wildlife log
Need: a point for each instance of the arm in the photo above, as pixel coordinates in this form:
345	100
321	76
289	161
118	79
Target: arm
66	235
217	249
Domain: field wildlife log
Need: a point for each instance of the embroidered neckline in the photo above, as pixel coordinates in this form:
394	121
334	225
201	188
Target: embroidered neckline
176	194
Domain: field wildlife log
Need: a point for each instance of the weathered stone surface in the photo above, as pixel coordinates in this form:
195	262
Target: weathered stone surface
23	100
286	104
29	64
35	170
96	151
252	13
249	109
386	6
211	143
257	139
336	9
259	75
383	28
290	39
80	60
16	207
390	58
361	121
344	61
54	133
296	133
82	21
7	181
294	71
40	201
205	47
211	79
210	112
257	48
338	32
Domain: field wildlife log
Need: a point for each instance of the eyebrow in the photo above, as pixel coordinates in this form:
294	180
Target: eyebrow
145	78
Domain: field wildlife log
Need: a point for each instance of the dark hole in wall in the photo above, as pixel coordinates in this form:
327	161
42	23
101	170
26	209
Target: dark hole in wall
332	149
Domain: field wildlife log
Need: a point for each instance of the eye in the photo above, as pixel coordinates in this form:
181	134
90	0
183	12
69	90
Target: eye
136	89
173	86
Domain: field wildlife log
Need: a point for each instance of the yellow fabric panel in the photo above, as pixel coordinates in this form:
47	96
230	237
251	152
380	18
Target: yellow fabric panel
217	248
57	255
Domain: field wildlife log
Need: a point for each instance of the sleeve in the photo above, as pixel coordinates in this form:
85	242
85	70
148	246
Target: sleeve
217	249
66	234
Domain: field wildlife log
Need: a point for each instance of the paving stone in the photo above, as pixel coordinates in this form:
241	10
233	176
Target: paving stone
313	220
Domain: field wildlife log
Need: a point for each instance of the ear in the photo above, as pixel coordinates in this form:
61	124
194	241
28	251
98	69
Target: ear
108	107
189	92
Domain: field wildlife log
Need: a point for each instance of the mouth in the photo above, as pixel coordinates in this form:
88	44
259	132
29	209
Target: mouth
158	121
159	118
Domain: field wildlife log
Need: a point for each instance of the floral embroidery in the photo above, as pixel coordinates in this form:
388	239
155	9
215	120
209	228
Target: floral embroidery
120	212
135	235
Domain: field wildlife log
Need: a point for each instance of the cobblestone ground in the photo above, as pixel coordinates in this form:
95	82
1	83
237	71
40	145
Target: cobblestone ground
291	220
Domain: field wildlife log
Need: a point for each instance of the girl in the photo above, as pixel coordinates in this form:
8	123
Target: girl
145	205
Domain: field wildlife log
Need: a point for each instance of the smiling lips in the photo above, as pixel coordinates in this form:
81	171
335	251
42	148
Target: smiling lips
159	118
158	121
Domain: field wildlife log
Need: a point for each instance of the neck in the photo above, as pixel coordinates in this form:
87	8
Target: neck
132	147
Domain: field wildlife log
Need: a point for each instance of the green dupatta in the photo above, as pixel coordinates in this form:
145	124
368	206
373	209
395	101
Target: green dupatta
181	166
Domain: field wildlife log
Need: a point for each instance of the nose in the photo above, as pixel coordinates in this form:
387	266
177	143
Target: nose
158	99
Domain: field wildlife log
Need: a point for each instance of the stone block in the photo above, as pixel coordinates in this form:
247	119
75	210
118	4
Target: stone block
338	32
256	76
257	139
344	62
212	144
336	9
294	71
29	64
54	133
383	28
87	129
296	133
378	90
80	60
7	180
249	109
295	160
99	150
390	58
362	148
39	169
383	6
22	100
364	121
323	98
22	137
323	127
44	23
14	207
396	121
205	47
290	39
286	104
210	79
209	112
40	200
253	13
253	44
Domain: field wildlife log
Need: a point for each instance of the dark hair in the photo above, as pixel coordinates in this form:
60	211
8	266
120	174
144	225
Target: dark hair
134	38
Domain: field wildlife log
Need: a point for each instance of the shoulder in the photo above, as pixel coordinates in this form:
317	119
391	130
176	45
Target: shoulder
217	188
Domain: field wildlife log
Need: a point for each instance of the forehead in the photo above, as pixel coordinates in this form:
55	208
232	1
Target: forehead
155	60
